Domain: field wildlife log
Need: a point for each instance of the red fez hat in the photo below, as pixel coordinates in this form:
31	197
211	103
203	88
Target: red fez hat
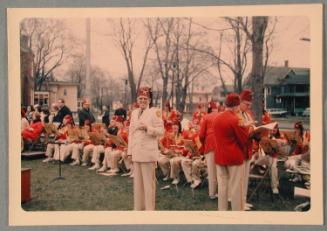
213	105
232	100
144	91
168	125
118	118
298	125
68	118
246	95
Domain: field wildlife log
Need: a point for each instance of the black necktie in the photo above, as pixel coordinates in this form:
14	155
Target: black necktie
141	111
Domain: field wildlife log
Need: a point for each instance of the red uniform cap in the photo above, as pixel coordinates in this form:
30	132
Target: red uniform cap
298	125
68	118
144	91
246	95
167	104
213	105
232	100
118	118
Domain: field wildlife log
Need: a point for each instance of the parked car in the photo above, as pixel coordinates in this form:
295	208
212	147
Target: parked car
306	112
277	112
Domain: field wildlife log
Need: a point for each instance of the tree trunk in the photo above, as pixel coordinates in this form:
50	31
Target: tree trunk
259	28
164	90
132	87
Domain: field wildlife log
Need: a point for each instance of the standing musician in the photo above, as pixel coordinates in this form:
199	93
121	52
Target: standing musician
231	140
207	137
247	121
146	126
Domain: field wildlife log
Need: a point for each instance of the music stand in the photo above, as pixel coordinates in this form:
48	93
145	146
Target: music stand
59	165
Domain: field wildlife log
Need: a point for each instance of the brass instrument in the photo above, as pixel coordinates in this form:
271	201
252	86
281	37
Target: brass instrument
97	138
117	140
73	134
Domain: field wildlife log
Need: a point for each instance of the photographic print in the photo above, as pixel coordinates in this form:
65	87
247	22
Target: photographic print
194	115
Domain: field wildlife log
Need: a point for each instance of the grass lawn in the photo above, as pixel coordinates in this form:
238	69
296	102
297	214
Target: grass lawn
84	190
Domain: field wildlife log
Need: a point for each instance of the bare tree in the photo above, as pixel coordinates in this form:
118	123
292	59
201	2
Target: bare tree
77	73
160	31
47	39
125	39
190	64
238	51
257	37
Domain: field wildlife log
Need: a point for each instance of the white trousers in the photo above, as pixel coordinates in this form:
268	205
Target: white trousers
230	177
144	185
212	174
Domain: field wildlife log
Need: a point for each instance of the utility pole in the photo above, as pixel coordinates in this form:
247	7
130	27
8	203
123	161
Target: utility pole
88	59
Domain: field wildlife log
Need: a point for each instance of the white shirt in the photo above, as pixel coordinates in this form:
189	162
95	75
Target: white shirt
143	145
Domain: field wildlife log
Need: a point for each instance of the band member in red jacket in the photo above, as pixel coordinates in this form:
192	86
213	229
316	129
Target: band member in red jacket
207	137
198	115
248	122
34	130
231	141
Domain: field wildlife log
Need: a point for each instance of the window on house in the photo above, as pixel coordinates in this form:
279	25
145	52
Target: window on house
268	90
278	100
41	98
65	92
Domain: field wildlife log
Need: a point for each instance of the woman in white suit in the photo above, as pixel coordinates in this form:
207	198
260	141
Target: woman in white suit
145	127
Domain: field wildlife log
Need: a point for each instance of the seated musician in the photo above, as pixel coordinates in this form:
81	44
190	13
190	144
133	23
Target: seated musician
166	150
266	150
76	138
33	131
193	163
119	152
109	145
67	140
97	137
57	136
180	153
301	154
61	139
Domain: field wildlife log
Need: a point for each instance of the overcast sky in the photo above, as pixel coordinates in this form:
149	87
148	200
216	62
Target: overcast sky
104	54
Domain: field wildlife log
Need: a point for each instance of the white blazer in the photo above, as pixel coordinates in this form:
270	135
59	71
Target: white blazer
143	145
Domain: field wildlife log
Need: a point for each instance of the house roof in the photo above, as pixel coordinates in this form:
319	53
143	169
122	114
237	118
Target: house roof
274	75
286	75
